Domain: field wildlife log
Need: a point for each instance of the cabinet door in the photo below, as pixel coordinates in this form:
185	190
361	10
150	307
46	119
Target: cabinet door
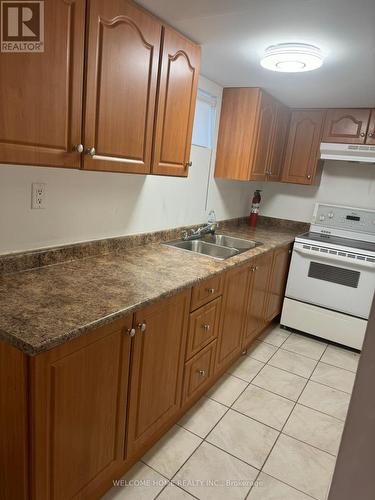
232	317
258	291
157	368
279	143
177	94
371	129
41	93
277	284
346	125
122	66
303	146
79	396
264	138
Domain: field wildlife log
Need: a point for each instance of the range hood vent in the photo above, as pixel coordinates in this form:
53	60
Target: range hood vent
360	153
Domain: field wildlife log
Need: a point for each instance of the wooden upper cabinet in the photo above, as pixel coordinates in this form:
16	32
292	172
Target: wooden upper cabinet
371	129
253	127
79	401
264	138
280	135
303	146
41	93
179	72
346	125
122	71
157	368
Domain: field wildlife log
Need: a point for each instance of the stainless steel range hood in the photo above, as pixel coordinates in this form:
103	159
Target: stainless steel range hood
360	153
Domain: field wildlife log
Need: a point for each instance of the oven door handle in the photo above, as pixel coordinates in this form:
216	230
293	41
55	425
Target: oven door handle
337	258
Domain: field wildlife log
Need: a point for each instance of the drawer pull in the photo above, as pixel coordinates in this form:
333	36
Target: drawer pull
211	290
202	373
206	327
130	332
142	326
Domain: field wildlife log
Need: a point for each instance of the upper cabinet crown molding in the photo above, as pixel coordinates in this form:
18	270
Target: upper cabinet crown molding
139	79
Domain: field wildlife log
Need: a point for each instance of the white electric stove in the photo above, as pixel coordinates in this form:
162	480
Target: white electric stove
331	280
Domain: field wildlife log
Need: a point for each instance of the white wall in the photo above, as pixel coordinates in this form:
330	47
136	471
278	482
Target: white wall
342	183
90	205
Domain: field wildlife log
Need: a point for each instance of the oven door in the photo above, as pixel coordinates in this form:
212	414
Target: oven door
331	281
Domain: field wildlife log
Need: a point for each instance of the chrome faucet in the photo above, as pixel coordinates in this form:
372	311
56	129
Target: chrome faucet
209	228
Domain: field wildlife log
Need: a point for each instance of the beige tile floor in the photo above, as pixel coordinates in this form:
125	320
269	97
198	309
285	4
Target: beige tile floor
268	430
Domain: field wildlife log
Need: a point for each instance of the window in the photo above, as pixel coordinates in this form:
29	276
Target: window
204	120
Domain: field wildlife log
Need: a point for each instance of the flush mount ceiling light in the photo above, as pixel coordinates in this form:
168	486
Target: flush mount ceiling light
292	57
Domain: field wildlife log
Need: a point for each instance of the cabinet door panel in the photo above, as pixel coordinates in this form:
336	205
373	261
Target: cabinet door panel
264	138
232	317
371	129
123	57
176	104
279	274
279	143
157	368
41	93
346	125
258	291
302	151
79	412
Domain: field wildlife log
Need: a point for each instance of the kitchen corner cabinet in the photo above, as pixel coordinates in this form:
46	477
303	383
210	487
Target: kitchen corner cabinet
301	162
277	283
41	93
139	78
348	126
251	135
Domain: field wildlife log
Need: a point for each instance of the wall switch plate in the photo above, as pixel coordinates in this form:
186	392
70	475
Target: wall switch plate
38	195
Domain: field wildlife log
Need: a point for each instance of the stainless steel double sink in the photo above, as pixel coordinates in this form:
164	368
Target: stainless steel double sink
217	246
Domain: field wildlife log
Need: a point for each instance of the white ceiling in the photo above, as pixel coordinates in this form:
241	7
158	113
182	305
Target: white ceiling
234	33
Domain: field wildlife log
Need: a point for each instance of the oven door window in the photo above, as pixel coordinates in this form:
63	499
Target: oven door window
334	274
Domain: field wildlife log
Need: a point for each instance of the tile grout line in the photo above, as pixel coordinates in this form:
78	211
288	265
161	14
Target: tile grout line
286	421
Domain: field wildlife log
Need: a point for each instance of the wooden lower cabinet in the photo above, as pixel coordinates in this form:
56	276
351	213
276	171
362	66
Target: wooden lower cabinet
78	413
277	284
255	321
157	368
232	317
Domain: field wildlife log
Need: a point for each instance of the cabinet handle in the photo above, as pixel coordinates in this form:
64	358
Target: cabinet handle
308	177
211	290
142	326
130	332
371	134
206	327
78	148
91	151
189	164
202	372
362	134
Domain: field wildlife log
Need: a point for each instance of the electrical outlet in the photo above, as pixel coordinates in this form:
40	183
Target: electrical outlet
38	195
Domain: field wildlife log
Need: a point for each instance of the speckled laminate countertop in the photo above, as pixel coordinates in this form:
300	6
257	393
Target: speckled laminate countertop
45	307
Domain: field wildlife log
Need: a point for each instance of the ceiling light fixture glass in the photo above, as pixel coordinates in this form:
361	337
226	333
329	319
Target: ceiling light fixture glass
292	57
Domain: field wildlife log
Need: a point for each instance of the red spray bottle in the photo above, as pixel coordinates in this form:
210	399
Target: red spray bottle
255	208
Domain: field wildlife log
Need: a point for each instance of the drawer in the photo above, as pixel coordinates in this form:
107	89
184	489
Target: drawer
199	372
205	292
203	327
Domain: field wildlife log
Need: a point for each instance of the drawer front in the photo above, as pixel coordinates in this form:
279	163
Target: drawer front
199	372
205	292
203	327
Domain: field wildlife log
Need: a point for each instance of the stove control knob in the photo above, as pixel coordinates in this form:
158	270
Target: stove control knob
322	217
330	215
